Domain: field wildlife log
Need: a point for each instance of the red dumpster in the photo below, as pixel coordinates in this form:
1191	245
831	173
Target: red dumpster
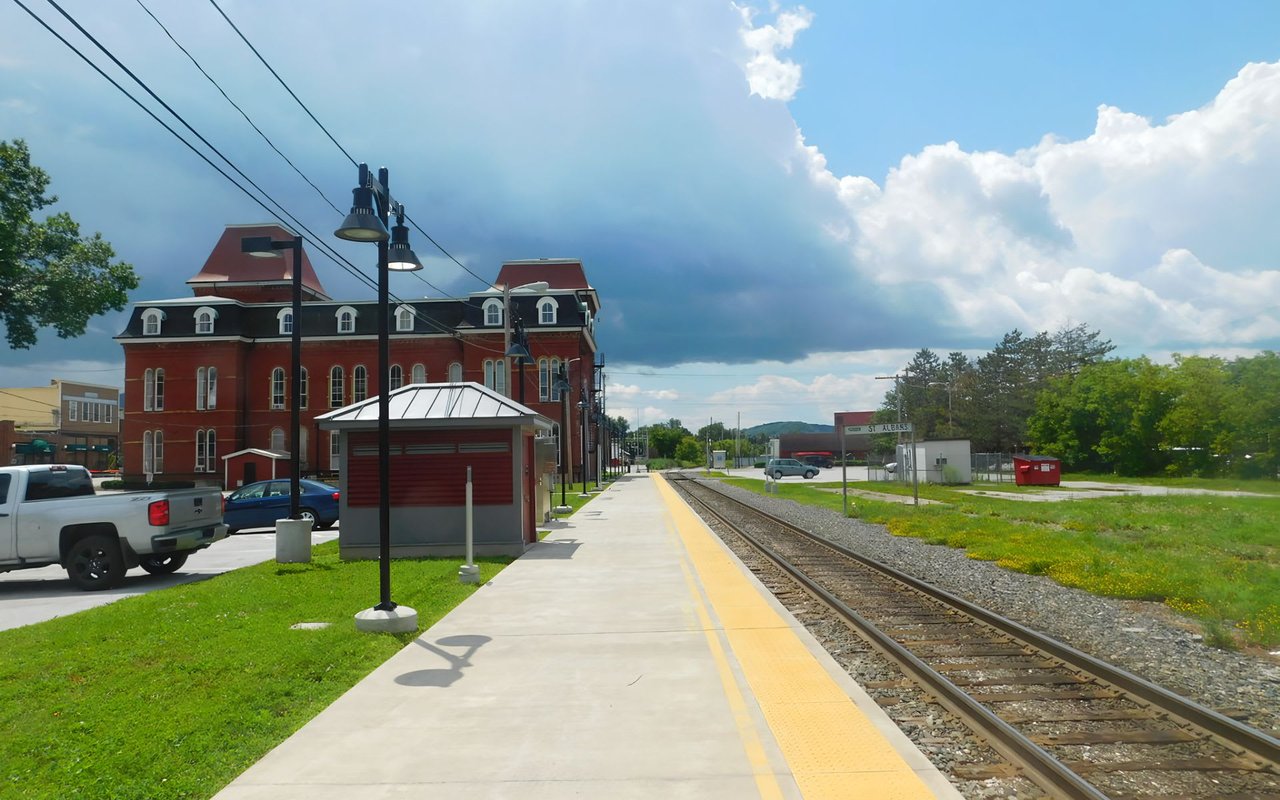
1037	470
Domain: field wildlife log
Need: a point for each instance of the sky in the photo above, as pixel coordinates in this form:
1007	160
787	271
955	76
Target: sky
776	202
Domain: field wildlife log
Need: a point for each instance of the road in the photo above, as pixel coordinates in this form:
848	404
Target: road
35	595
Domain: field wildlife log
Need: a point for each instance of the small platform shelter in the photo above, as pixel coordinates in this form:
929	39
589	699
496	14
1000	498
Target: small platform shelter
437	432
253	464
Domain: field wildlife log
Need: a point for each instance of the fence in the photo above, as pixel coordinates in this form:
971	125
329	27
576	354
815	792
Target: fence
995	467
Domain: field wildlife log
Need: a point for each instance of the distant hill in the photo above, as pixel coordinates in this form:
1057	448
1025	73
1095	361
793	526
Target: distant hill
779	428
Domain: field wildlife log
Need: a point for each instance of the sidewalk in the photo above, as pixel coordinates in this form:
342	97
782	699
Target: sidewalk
598	665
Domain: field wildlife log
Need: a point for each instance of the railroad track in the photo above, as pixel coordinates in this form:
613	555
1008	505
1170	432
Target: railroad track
1072	724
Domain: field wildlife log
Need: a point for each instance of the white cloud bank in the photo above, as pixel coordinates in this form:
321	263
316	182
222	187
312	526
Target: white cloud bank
1154	233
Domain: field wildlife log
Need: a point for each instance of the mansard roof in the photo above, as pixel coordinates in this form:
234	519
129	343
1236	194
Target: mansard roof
228	266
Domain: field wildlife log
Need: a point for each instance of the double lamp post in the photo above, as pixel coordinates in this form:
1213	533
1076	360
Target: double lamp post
372	208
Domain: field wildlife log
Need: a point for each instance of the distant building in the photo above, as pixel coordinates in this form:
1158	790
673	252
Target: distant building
857	446
208	375
65	422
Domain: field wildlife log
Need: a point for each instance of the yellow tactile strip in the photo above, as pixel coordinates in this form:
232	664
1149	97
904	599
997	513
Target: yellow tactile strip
833	750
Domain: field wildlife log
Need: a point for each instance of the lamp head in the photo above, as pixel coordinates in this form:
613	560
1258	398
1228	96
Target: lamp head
520	353
400	257
363	223
258	246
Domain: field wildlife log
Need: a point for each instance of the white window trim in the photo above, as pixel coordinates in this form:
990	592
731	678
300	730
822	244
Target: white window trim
403	323
338	318
153	315
359	375
213	319
492	305
276	402
455	372
285	318
544	305
418	370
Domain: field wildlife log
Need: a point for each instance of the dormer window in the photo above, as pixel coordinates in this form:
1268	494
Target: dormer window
285	318
547	311
204	319
493	312
151	319
404	318
346	319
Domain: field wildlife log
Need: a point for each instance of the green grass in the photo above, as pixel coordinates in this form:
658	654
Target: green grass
174	693
1258	485
1216	558
572	498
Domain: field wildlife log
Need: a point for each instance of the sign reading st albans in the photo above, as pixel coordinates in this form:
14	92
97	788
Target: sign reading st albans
884	427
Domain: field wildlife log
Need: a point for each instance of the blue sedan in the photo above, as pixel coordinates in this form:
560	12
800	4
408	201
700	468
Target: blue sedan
259	505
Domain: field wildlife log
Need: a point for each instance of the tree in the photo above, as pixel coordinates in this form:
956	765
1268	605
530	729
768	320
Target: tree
50	275
1106	417
691	451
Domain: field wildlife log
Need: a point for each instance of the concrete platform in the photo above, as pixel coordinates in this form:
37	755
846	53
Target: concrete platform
628	655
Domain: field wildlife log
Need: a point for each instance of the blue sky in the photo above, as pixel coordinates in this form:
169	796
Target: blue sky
777	202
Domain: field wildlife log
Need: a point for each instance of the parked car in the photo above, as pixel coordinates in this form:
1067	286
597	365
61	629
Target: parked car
50	514
780	467
259	505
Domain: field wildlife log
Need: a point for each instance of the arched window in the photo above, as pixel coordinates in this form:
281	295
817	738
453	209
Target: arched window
419	373
206	388
547	311
204	319
285	318
153	452
336	388
303	386
206	450
151	320
395	378
277	388
302	447
493	312
346	319
455	372
404	318
359	383
153	390
555	374
277	439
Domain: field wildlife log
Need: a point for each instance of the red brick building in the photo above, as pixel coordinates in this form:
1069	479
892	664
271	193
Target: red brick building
208	375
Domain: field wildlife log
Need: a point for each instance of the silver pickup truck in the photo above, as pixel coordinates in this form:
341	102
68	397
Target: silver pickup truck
50	514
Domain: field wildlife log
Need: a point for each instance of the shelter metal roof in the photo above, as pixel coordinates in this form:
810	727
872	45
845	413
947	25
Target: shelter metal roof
437	405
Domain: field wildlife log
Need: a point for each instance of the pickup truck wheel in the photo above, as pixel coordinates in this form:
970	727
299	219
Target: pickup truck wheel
95	562
163	564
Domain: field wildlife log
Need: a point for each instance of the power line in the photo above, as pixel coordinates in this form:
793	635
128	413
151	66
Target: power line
324	246
282	83
253	125
276	75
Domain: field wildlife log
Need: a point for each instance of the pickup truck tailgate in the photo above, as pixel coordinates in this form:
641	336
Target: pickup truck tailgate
194	508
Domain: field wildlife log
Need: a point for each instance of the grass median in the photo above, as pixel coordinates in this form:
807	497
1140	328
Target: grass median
174	693
1213	557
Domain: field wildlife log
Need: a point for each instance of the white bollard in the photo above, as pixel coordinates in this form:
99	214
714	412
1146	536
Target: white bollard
293	541
469	572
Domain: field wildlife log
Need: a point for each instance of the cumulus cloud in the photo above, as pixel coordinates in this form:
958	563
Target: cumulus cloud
1153	232
769	76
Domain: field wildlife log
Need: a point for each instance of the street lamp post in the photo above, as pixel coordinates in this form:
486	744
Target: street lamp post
583	406
265	246
562	386
366	223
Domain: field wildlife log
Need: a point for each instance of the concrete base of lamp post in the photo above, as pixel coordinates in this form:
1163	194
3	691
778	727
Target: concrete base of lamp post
293	541
400	619
469	573
562	509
